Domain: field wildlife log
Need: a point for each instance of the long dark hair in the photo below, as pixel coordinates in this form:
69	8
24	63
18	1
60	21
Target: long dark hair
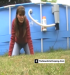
21	10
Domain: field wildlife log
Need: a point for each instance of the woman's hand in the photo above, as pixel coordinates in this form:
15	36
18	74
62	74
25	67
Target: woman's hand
9	56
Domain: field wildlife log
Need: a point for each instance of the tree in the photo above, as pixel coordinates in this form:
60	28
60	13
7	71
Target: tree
9	2
52	1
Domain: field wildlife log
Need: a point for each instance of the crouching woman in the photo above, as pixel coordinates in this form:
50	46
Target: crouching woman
20	34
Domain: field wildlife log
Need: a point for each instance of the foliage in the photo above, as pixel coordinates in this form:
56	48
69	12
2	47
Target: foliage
52	1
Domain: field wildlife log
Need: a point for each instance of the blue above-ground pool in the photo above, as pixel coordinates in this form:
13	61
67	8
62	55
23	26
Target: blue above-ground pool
52	38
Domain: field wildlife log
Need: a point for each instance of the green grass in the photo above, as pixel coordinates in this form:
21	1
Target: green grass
24	64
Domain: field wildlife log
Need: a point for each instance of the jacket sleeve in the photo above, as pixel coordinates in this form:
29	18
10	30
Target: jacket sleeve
12	40
29	38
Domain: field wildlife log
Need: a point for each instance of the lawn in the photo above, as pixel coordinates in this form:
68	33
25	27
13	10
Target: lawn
24	64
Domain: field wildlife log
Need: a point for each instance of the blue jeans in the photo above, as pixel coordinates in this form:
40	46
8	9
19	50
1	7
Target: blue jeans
17	48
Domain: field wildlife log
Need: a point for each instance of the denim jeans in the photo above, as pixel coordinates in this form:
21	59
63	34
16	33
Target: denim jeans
17	47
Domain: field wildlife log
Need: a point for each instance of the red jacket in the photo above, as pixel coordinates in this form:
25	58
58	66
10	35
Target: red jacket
25	39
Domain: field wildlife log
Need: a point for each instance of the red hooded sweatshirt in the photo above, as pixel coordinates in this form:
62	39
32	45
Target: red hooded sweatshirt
21	39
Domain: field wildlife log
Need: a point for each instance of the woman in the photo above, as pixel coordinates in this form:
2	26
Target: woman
20	35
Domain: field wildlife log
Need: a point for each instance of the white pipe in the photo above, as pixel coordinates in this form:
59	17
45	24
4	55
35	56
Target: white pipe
38	3
67	16
30	11
41	26
41	14
52	3
9	6
9	20
41	44
67	26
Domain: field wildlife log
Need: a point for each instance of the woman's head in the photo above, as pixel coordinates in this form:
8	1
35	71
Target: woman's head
20	14
20	19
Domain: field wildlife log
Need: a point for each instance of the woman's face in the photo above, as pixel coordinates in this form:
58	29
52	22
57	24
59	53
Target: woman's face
20	18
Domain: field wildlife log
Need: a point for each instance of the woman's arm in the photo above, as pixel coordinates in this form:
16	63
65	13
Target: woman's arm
29	37
12	39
